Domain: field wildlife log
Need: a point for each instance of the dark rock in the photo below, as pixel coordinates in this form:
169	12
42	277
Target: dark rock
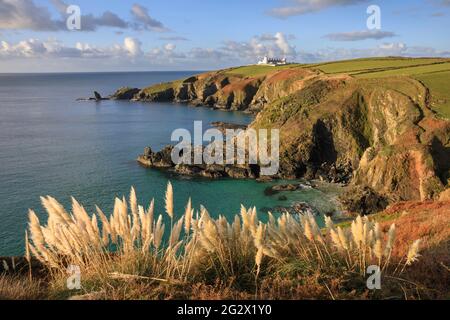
223	126
310	173
185	93
189	170
265	179
190	80
282	198
212	174
209	101
286	187
237	172
295	209
147	152
215	168
270	192
161	159
97	96
163	95
363	200
125	93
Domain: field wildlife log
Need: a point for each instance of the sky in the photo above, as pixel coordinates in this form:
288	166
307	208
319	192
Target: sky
157	35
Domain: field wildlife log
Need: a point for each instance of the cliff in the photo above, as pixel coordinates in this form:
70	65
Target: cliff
373	132
225	89
378	133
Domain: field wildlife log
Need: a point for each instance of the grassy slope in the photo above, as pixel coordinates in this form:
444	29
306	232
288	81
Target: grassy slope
161	87
433	73
439	84
257	71
405	71
372	64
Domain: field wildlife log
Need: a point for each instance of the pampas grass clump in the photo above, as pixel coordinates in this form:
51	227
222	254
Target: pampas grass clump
130	242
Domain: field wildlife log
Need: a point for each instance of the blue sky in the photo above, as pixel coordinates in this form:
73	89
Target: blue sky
209	34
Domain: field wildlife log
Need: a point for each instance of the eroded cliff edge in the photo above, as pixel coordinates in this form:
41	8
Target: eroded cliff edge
375	133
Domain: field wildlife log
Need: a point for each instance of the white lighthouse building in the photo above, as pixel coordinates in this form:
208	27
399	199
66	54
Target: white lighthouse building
272	61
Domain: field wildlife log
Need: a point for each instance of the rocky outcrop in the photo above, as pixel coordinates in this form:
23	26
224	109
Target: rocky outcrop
97	97
160	159
163	159
372	133
223	126
297	208
158	93
286	187
224	89
125	93
363	200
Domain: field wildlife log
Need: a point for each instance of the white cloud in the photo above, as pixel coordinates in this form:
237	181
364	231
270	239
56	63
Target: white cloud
90	22
300	7
283	45
133	46
265	45
26	15
34	48
170	47
130	54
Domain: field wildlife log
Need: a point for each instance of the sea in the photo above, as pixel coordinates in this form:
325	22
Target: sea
52	144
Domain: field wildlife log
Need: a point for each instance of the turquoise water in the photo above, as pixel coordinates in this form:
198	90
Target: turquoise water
51	144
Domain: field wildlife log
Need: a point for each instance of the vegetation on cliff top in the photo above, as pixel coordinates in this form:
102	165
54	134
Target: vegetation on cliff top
129	256
433	72
259	70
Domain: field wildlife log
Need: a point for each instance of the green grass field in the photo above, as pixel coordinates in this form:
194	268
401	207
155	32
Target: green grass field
161	87
373	64
434	73
257	71
406	71
439	85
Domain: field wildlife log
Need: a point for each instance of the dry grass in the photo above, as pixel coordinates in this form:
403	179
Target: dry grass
429	221
129	256
21	288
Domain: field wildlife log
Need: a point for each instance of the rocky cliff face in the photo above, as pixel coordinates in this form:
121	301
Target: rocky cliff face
375	133
223	90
